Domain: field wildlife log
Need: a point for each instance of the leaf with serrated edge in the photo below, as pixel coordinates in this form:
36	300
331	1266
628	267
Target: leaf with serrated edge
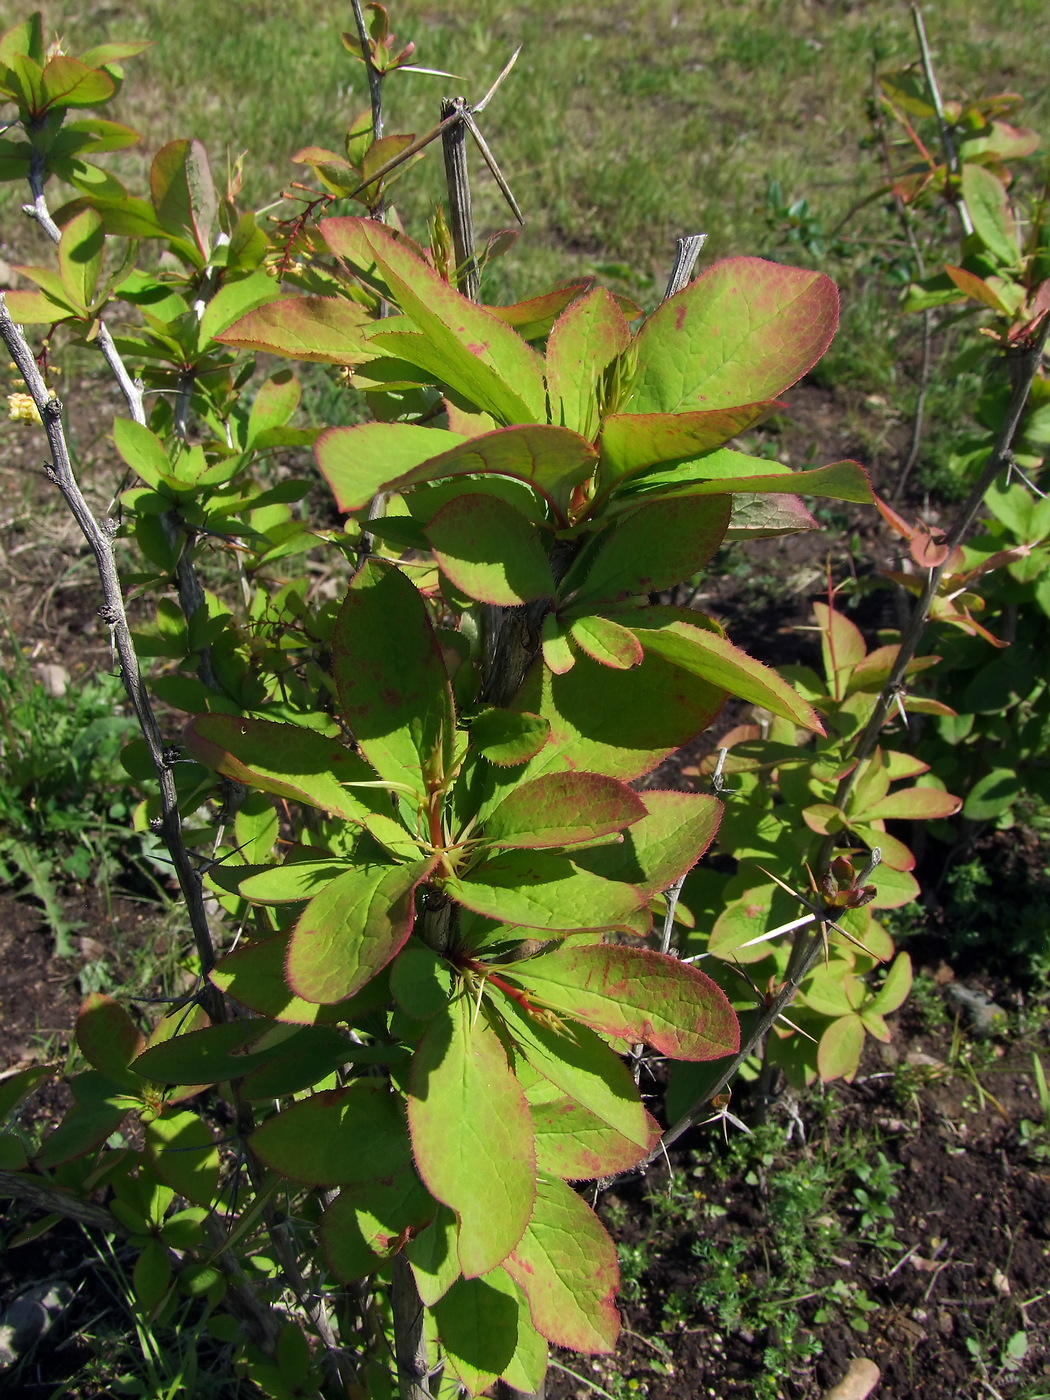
285	760
528	1367
606	642
107	1036
839	1050
485	359
490	551
718	661
741	333
587	337
582	1066
472	1134
351	930
433	1257
635	994
664	845
839	481
255	976
359	461
508	737
576	1145
362	1229
633	441
392	683
560	809
477	1324
566	1266
655	547
912	804
318	1140
542	890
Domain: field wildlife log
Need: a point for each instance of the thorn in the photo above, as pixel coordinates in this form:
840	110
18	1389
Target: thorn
480	106
490	161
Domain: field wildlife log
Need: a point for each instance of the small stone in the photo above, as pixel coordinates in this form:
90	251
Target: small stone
53	677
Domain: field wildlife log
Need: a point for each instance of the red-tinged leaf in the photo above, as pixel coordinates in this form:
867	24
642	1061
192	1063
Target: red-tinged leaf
484	359
104	54
107	1036
635	994
561	809
566	1267
663	846
760	517
582	1066
391	678
989	208
841	642
824	818
716	660
895	854
543	890
304	328
472	1134
69	82
840	481
80	252
318	1140
285	760
741	333
839	1051
508	737
255	976
895	989
35	309
558	655
467	424
574	1144
351	930
607	642
585	340
632	441
976	288
183	191
432	1254
359	461
654	547
477	1323
534	318
366	1225
917	804
490	551
622	723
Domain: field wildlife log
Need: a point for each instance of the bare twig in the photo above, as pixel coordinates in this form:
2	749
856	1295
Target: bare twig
684	262
951	155
100	539
410	1343
42	1195
461	218
672	896
375	78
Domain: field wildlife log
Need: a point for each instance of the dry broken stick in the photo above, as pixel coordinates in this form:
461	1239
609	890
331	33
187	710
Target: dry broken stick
100	538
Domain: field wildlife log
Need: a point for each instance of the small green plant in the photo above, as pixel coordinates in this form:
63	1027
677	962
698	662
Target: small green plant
874	1199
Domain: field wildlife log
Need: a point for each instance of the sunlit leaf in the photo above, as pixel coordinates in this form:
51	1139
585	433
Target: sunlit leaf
561	809
490	551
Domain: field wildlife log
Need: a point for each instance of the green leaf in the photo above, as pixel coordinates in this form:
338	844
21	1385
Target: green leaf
635	994
325	329
393	686
587	337
420	981
183	1153
477	1322
582	1066
911	804
318	1140
359	461
142	450
839	1051
183	192
561	809
508	737
367	1224
744	331
69	82
659	849
606	642
622	723
151	1277
490	551
566	1266
35	309
80	252
632	441
651	549
716	660
483	357
989	208
534	318
276	401
895	989
528	1367
472	1134
558	655
255	976
432	1254
574	1144
107	1036
760	517
17	1087
719	472
287	761
992	795
218	1053
352	929
236	297
538	889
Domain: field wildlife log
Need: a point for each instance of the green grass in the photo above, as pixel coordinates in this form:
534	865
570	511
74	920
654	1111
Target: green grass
621	127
